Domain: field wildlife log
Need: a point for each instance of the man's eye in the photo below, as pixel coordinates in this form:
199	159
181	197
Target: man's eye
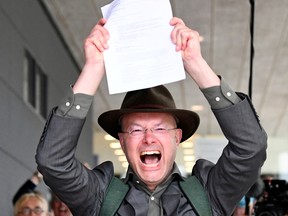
25	211
136	131
159	130
38	210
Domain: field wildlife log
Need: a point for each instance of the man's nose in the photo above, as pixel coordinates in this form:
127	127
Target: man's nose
149	136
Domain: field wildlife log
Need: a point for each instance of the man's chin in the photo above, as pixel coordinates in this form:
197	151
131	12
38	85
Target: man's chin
152	178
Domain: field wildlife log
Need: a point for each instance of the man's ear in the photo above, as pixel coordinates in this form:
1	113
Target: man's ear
178	136
121	140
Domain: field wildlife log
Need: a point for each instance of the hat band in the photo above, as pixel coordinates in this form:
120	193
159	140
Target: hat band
148	106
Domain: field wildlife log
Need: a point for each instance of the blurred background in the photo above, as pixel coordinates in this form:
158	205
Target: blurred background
41	54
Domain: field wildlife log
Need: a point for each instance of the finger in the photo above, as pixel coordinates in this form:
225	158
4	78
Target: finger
178	25
98	36
186	36
101	23
176	20
181	34
173	33
183	37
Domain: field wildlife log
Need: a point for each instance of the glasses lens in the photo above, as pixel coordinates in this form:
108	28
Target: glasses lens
38	210
160	131
138	133
25	211
28	211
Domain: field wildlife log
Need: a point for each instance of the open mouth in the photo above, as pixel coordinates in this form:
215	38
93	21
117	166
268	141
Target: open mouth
150	158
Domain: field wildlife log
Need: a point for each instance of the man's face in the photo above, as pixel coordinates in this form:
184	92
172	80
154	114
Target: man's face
149	147
33	206
60	208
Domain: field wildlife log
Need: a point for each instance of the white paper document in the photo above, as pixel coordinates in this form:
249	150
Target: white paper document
141	53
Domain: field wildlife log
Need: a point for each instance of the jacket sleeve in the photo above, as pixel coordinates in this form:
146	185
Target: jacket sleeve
80	188
239	165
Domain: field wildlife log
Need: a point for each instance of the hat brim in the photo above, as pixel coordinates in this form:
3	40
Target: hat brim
188	121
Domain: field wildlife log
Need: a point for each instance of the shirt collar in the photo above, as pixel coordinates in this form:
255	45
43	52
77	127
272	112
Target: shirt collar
132	177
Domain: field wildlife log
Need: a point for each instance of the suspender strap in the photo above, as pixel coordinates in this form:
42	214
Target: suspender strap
194	191
191	187
115	194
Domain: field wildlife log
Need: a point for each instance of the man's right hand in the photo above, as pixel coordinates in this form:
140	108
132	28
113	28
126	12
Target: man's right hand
93	70
96	43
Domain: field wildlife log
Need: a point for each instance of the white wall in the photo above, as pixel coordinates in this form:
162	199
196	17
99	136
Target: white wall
277	158
25	25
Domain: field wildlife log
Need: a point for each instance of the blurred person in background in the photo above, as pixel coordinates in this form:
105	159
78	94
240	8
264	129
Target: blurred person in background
31	204
245	207
58	208
29	186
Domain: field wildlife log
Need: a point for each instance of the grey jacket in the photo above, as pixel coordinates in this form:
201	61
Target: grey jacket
225	182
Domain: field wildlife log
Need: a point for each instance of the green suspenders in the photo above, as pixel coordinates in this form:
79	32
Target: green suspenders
191	187
195	193
116	192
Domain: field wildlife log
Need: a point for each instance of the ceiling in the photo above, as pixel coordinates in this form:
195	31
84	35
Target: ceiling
225	27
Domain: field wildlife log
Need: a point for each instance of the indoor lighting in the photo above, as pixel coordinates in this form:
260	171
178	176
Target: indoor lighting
187	144
188	151
109	137
115	145
122	158
125	165
118	152
189	158
188	169
197	108
189	164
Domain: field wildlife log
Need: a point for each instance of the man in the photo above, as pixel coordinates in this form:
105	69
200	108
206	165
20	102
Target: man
150	128
31	204
58	208
29	186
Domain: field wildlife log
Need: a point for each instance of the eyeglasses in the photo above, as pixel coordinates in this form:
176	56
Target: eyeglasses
28	211
158	132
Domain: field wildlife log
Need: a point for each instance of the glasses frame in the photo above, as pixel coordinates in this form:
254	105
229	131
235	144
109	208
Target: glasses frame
139	133
28	211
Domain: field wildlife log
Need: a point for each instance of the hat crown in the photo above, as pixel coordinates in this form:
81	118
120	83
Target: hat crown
153	98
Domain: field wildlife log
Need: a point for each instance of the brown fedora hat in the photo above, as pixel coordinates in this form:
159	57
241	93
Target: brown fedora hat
155	99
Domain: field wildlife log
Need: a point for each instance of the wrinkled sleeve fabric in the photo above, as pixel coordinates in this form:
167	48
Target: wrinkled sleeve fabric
80	188
227	181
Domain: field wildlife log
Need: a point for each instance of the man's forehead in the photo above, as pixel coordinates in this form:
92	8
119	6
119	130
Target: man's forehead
32	204
160	117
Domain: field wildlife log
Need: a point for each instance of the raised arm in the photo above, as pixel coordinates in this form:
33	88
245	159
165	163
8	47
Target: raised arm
70	180
188	43
93	70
